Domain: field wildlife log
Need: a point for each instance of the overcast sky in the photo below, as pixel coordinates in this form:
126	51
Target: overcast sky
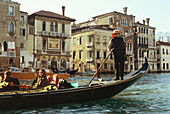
83	10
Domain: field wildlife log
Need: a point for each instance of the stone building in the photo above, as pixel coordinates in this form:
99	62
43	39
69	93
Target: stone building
24	45
10	34
51	35
89	48
145	43
163	56
115	20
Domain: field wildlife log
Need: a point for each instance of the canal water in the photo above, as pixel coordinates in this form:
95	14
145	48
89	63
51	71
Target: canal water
150	94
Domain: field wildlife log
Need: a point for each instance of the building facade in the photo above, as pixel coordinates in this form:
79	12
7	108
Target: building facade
163	56
10	34
89	48
145	42
51	36
115	20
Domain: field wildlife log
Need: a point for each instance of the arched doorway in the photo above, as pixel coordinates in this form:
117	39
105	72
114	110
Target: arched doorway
44	62
54	62
63	64
11	61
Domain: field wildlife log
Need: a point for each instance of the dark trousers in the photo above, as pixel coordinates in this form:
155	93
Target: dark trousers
119	66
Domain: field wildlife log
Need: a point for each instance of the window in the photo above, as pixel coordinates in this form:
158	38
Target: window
30	30
163	65
22	45
5	46
98	65
63	46
11	27
56	27
74	55
80	55
22	32
110	20
167	66
44	44
22	19
131	58
63	28
163	51
105	66
44	26
51	27
98	55
80	41
11	10
74	41
167	51
157	51
104	55
130	23
131	67
111	56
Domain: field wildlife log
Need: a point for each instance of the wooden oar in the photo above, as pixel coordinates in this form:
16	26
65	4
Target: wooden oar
101	65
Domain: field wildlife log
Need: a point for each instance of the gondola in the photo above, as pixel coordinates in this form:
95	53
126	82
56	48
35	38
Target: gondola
93	91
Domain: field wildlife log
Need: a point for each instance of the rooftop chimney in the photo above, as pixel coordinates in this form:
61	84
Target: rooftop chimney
147	21
63	9
143	22
125	10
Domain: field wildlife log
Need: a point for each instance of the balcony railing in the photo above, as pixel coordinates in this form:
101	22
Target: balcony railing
89	59
64	35
44	33
128	52
89	44
53	34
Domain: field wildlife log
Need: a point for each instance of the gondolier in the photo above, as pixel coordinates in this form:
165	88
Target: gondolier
118	43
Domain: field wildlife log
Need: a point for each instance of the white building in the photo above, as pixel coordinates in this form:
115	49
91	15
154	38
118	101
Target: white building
163	56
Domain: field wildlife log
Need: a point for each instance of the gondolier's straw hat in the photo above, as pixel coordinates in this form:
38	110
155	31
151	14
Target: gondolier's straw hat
116	32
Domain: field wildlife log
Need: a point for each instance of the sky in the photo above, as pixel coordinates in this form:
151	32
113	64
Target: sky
83	10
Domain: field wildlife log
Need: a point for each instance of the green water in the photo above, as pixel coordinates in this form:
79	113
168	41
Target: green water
150	94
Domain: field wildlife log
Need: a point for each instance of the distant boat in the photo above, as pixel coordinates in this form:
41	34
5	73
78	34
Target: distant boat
72	72
28	73
94	91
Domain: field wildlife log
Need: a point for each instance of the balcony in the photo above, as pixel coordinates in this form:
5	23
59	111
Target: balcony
64	35
44	33
53	34
89	60
89	44
128	52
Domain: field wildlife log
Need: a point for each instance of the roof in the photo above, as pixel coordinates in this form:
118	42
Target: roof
51	15
162	43
113	12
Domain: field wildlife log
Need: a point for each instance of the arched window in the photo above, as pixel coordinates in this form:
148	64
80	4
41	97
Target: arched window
5	46
51	27
56	27
44	26
11	27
